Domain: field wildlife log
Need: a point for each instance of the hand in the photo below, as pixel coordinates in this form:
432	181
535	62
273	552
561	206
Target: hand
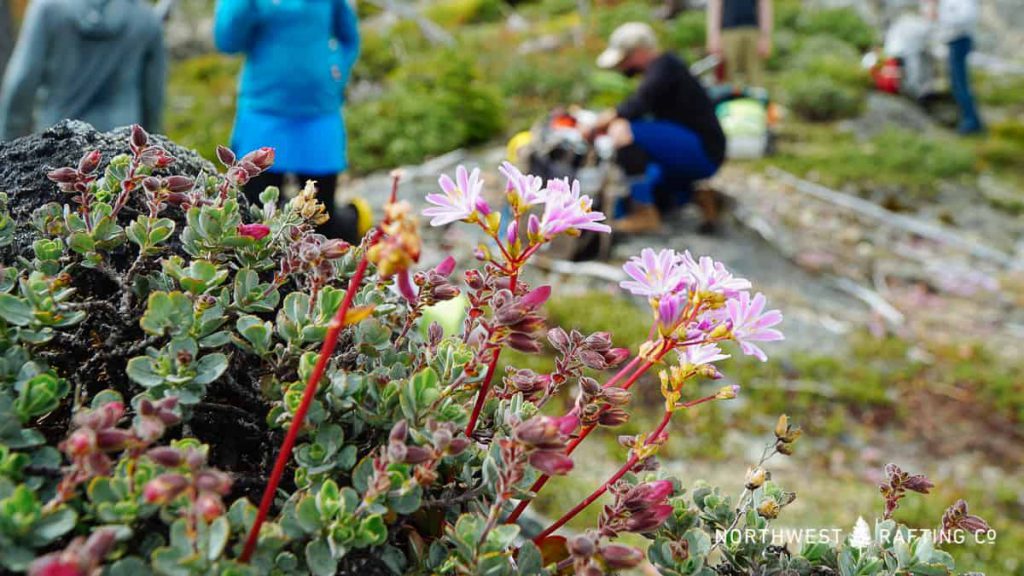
764	46
715	47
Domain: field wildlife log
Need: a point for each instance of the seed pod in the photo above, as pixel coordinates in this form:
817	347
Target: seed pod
768	509
755	478
598	342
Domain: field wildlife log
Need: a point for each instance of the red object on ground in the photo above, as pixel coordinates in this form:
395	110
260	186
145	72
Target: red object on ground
887	76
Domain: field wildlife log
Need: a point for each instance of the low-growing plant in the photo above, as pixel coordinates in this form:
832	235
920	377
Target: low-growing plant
403	449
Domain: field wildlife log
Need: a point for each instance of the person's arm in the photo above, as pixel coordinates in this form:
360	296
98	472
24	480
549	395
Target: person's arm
346	31
154	78
24	74
234	23
714	26
765	19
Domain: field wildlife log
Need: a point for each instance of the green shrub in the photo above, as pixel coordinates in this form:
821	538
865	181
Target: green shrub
819	99
608	19
843	23
377	56
688	30
455	13
432	105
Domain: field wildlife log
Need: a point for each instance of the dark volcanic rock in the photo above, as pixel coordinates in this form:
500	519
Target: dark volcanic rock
24	162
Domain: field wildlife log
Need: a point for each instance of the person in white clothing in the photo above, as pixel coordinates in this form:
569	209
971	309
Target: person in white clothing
957	21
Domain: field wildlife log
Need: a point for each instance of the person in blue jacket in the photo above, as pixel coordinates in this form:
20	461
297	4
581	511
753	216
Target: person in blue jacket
298	57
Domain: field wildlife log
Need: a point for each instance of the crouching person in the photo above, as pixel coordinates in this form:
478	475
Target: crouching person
666	133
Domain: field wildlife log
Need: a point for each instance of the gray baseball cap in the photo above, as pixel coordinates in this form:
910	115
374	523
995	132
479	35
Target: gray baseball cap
624	40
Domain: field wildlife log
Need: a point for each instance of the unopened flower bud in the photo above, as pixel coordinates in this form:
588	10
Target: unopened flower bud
90	162
621	557
225	155
535	298
446	267
593	360
151	184
112	439
139	138
458	445
782	426
558	338
616	396
100	542
80	442
213	481
590	386
164	488
178	183
255	231
474	280
63	175
262	158
166	456
755	478
539	432
397	451
523	343
512	232
417	455
442	439
613	417
399	432
727	392
209	506
552	463
581	546
649	519
615	356
567	424
768	509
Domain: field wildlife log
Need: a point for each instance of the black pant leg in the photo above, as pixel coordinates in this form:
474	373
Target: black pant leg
253	188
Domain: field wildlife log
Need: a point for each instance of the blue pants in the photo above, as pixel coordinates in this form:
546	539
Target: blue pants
677	160
960	81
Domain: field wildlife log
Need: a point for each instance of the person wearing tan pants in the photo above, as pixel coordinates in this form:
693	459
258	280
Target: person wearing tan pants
740	32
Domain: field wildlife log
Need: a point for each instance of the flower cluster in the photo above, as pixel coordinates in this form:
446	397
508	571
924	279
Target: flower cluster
97	436
699	302
545	438
203	488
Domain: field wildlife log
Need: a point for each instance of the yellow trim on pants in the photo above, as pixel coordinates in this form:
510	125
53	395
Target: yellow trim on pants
739	48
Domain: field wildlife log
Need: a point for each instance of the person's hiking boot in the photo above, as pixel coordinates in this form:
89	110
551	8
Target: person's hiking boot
644	219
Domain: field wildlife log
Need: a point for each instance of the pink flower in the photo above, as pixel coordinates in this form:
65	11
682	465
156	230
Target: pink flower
528	189
460	201
655	274
750	325
566	210
649	519
446	267
700	354
669	311
254	231
567	424
708	275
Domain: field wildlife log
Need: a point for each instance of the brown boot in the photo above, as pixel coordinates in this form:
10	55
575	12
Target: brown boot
644	219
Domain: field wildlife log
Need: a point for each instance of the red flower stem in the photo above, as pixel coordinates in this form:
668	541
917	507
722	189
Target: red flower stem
481	396
618	375
633	459
584	432
284	455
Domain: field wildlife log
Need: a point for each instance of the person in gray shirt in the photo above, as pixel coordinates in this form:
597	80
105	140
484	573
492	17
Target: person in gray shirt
100	61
